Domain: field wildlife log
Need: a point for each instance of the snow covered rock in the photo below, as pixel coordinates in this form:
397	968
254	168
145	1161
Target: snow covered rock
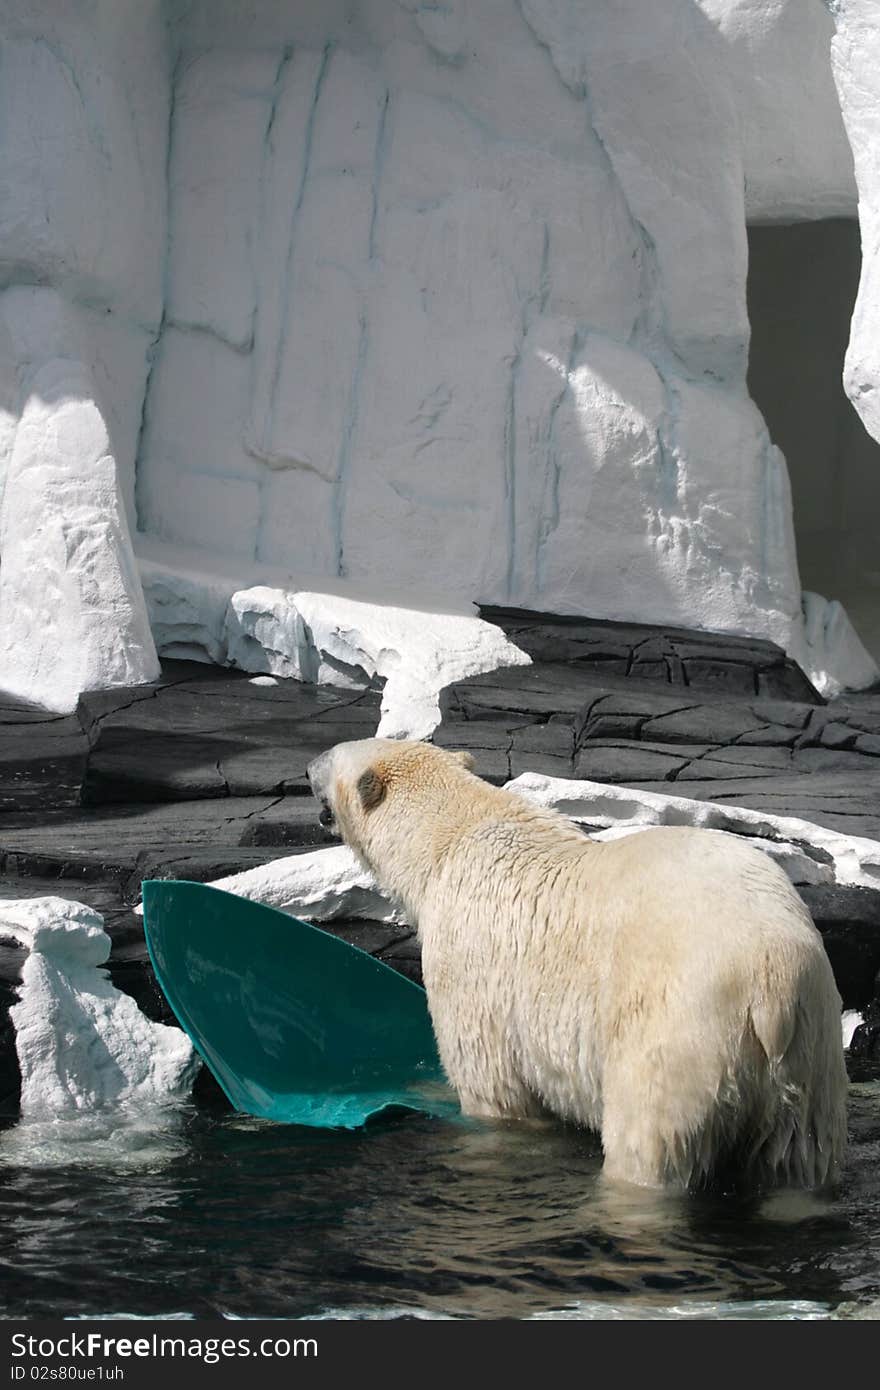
329	883
831	651
850	1020
809	853
81	1043
328	638
320	886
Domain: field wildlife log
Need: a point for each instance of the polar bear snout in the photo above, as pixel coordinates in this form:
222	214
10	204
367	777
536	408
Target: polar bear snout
319	774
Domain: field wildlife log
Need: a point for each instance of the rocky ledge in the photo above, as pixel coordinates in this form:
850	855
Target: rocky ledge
202	774
724	719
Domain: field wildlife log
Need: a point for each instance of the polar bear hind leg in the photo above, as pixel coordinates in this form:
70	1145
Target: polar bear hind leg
768	1115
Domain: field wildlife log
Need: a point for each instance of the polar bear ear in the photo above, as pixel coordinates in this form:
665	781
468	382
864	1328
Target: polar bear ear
370	788
465	759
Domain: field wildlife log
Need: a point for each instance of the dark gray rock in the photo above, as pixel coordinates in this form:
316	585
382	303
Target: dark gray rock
131	764
866	1039
763	751
627	763
12	958
534	692
831	903
705	661
105	894
612	725
734	678
550	638
703	724
836	735
849	920
376	938
860	710
487	740
483	733
129	843
745	756
630	700
291	822
19	714
404	956
10	1077
553	739
770	736
647	669
202	864
215	737
786	681
720	770
827	799
42	761
785	712
835	760
531	760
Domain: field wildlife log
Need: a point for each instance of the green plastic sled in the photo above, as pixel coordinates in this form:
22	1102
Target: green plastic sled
295	1024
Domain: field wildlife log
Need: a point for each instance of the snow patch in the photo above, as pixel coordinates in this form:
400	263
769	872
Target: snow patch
332	640
84	1049
833	655
318	887
809	853
850	1020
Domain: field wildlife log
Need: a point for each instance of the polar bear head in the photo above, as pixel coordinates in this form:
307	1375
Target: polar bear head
385	796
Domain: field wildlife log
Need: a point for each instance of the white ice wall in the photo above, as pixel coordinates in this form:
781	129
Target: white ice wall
796	155
84	96
856	63
457	295
84	101
451	296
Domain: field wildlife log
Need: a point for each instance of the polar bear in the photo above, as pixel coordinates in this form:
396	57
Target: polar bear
667	989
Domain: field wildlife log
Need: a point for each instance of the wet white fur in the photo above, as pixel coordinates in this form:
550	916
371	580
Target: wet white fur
667	989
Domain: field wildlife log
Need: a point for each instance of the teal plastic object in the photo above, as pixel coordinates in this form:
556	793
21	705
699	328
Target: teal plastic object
296	1025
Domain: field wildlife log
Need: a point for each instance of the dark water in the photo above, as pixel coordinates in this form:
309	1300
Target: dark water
202	1212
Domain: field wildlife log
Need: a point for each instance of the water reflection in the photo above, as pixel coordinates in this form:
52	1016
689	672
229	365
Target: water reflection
216	1213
